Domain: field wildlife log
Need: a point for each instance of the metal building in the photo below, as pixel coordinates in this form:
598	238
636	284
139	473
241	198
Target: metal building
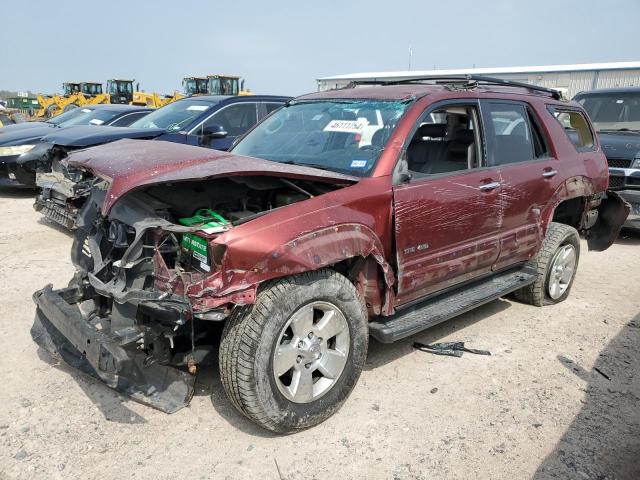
570	79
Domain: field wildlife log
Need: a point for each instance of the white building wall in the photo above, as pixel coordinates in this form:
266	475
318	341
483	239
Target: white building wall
570	82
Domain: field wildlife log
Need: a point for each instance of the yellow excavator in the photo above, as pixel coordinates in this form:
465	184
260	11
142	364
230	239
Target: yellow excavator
154	99
75	94
226	85
195	86
216	84
122	92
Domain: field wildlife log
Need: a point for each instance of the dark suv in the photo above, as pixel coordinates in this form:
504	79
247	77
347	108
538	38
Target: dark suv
615	114
316	231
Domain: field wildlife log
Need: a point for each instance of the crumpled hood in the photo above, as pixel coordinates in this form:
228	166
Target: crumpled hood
131	164
25	135
620	145
89	135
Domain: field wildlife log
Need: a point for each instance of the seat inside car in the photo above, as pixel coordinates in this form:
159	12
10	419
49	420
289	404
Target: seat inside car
426	147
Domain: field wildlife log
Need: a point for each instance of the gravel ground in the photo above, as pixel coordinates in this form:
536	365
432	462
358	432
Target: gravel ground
557	398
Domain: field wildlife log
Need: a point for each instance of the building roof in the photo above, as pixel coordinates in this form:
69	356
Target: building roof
399	75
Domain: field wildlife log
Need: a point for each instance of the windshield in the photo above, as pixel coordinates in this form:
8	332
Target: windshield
91	117
613	111
66	116
121	87
174	116
195	86
91	88
343	136
223	86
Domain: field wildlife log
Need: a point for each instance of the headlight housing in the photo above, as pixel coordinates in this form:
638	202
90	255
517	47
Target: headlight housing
635	163
15	150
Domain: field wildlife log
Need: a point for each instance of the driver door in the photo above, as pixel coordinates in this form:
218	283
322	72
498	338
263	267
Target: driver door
447	216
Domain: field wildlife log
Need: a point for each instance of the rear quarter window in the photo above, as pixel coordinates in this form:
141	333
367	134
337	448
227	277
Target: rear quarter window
576	127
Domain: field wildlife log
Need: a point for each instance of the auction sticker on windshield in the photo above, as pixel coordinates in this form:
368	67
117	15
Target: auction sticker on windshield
199	108
347	126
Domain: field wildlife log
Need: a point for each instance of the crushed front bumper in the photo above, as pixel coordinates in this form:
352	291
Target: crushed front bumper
61	329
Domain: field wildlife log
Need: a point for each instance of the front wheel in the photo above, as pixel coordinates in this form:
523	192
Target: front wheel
289	361
556	264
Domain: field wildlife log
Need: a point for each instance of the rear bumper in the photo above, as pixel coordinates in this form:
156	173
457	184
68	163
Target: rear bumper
62	330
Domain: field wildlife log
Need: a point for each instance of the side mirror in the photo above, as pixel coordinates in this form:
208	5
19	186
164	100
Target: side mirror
214	131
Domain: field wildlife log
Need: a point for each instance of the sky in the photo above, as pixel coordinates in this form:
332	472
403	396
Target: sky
282	47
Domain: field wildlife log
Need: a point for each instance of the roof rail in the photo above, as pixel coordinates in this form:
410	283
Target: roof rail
463	81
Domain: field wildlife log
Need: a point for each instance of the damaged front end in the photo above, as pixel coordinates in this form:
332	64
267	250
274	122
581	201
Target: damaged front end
140	312
64	190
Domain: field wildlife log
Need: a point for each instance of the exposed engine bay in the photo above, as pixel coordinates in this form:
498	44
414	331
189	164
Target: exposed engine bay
142	271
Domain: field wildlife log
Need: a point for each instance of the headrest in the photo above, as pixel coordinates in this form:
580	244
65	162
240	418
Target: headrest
462	136
431	130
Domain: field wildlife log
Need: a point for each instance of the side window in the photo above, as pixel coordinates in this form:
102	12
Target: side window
128	119
540	142
272	106
576	127
511	140
236	119
447	140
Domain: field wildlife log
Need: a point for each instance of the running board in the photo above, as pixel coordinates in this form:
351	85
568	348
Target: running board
448	305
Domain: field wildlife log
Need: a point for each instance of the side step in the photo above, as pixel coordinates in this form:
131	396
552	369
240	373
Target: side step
448	305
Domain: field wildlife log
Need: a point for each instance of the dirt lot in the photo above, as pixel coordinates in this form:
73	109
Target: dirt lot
558	398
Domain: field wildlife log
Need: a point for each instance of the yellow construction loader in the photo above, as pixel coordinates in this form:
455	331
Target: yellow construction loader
226	85
216	84
195	85
75	94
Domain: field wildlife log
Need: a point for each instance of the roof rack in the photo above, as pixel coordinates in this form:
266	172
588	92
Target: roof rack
462	81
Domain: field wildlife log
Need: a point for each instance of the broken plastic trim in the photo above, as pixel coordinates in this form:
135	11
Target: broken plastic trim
612	213
60	328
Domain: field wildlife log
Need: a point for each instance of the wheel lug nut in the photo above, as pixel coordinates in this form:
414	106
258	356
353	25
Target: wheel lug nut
308	365
300	344
310	334
299	359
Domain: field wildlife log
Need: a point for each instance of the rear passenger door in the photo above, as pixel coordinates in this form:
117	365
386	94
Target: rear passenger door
518	147
447	214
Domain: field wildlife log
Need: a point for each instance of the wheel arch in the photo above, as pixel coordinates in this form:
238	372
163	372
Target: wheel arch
352	249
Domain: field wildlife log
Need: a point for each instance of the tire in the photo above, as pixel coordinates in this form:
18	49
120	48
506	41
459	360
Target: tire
253	334
50	111
560	238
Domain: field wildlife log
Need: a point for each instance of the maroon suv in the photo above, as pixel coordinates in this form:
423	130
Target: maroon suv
374	210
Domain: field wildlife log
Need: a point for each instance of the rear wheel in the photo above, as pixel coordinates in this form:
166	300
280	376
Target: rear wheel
556	264
50	111
289	361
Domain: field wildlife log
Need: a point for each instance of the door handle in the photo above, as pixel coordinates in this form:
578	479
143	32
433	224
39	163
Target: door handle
489	186
550	173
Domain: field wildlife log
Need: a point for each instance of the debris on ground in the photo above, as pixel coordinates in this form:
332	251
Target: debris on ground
451	349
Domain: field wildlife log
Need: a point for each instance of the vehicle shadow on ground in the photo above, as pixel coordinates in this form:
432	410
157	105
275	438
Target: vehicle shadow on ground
12	192
51	224
380	354
208	383
108	401
628	236
603	441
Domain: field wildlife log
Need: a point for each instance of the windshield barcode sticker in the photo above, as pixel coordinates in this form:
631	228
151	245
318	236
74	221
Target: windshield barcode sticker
199	108
347	126
96	121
